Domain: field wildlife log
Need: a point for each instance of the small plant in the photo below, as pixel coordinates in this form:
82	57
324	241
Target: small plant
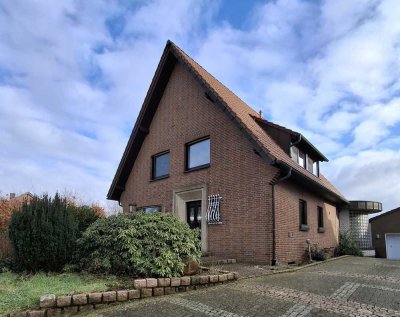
317	253
347	246
138	244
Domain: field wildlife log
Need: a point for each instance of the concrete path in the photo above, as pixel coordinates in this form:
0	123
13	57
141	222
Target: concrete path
347	287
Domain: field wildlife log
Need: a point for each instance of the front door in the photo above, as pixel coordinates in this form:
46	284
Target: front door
193	214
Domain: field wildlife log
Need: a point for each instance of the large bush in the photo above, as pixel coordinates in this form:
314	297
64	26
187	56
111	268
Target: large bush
347	246
44	231
138	244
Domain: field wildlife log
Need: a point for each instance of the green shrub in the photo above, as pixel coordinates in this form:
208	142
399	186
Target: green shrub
347	246
44	231
85	216
317	253
139	244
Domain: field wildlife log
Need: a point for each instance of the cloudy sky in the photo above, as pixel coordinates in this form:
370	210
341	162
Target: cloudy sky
73	76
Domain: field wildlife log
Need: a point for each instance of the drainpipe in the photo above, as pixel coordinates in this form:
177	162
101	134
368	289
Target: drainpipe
296	142
289	173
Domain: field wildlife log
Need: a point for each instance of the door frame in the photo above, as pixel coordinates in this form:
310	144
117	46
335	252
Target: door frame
192	193
386	245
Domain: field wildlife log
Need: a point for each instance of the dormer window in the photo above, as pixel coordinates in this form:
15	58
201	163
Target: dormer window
304	160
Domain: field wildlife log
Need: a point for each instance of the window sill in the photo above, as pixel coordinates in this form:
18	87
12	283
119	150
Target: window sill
321	229
159	178
197	168
304	228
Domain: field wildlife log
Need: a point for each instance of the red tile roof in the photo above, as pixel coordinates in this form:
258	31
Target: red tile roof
245	114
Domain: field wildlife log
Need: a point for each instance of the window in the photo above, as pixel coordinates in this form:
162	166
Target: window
302	159
303	215
198	154
160	166
310	163
148	209
294	153
320	219
315	169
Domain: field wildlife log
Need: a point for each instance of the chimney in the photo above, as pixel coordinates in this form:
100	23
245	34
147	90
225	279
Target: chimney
260	113
12	195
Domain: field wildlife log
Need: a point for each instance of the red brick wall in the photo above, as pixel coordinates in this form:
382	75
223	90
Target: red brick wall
236	173
291	242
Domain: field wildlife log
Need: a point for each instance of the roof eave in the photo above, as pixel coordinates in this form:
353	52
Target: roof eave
313	184
316	151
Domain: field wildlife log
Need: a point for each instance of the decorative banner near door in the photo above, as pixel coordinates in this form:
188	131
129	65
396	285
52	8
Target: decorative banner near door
213	209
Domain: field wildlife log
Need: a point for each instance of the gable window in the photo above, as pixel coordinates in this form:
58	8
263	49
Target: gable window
160	165
303	215
294	153
304	160
198	154
310	163
320	219
315	169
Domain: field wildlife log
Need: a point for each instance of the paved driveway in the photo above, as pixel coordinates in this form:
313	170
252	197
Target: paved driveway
346	287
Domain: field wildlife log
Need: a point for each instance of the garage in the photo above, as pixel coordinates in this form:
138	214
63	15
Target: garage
393	246
385	232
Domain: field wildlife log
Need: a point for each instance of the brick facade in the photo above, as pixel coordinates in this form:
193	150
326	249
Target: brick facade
291	242
237	173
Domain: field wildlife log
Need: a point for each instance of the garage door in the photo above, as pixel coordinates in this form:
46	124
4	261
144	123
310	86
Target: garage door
393	246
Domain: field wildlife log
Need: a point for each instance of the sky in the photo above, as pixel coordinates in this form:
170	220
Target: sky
74	74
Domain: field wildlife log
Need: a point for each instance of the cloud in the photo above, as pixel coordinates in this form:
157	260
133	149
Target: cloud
73	76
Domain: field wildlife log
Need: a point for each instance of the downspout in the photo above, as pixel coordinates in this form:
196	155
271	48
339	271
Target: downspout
296	142
289	173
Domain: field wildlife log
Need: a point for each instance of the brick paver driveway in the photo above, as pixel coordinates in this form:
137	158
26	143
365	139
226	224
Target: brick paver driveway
346	287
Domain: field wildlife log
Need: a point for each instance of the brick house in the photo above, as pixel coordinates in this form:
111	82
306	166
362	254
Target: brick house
253	187
7	207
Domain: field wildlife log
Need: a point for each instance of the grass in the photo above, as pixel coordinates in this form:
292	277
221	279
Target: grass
23	291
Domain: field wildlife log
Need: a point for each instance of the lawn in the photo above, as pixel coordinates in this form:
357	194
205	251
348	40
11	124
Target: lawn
23	291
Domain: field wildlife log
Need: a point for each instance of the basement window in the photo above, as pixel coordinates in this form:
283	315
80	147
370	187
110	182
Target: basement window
149	209
303	215
160	166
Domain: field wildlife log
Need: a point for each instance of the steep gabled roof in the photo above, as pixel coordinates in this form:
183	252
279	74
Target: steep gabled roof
238	110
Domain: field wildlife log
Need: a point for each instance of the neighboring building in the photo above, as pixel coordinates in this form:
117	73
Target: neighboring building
354	219
7	206
385	230
254	188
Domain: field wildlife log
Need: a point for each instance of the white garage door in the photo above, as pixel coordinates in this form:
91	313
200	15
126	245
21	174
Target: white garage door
393	246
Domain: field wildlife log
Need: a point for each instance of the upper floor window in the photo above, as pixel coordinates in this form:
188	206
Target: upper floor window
304	160
160	165
198	154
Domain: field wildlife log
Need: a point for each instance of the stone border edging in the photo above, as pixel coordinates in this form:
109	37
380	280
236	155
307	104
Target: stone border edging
52	305
295	268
